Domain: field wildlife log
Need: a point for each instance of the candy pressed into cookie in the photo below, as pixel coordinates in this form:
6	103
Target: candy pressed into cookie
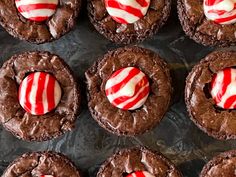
129	90
39	96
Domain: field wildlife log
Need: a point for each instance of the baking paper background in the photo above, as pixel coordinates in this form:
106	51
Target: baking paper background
88	145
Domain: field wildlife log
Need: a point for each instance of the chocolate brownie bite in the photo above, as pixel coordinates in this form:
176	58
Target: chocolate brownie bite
38	21
138	162
39	96
209	22
221	165
128	21
210	94
42	164
129	90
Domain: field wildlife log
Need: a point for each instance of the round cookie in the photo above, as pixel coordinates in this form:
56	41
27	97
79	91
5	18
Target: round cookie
18	120
134	161
145	26
42	164
38	21
200	28
221	165
208	114
129	122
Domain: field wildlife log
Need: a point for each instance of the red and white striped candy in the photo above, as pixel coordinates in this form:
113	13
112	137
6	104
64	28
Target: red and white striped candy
220	11
39	93
37	10
127	11
47	176
127	88
140	174
223	88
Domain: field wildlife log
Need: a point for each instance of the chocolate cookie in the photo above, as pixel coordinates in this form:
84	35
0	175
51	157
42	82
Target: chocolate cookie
129	90
210	94
42	164
221	165
39	96
207	22
138	162
128	21
38	22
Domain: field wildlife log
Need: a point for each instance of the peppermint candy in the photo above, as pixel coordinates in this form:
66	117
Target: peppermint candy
140	174
127	88
47	176
36	10
127	11
223	88
39	93
220	11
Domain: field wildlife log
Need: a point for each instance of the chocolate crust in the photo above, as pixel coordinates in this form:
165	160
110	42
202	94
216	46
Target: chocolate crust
126	161
216	122
44	127
223	164
123	122
42	163
55	27
155	18
201	30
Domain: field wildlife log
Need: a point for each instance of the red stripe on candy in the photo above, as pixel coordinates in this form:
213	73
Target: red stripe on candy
27	105
39	94
227	81
230	101
30	7
134	11
142	3
38	19
36	11
129	90
139	174
50	93
223	85
117	73
120	20
136	174
212	2
139	85
218	12
140	96
223	20
121	84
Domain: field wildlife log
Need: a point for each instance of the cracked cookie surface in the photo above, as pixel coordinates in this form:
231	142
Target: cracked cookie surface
147	26
216	122
127	161
59	24
41	163
202	30
123	122
32	127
